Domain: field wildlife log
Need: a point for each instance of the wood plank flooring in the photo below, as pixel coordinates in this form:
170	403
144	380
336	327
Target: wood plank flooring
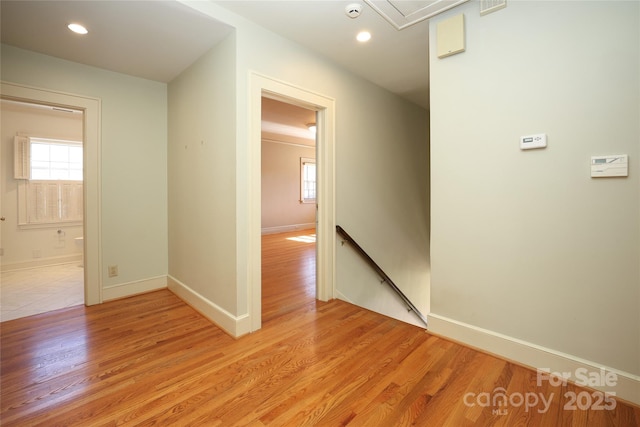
152	360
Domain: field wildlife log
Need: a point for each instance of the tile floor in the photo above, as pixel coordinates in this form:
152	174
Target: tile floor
38	290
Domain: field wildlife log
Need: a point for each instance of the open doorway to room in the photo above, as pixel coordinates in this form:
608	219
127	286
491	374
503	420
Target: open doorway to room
288	207
42	208
324	108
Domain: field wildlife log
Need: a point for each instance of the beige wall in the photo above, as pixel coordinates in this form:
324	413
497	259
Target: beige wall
526	246
133	164
21	244
281	207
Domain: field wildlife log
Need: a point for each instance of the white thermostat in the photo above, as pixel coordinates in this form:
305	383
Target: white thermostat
533	141
606	166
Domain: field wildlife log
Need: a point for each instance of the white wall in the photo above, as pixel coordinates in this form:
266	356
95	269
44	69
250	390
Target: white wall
383	196
24	247
381	142
133	162
525	245
202	208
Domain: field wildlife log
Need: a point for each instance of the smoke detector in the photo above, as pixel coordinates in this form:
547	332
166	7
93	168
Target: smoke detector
353	10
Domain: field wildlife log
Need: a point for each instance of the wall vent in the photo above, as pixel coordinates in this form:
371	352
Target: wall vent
488	6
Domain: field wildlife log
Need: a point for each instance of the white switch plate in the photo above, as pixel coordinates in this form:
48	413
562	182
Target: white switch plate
608	166
533	141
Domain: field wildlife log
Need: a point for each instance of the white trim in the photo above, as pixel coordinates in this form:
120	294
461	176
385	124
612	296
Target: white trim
122	290
259	86
41	262
532	355
235	326
286	228
91	108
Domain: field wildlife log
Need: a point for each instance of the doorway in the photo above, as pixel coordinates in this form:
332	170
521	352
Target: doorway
42	212
264	87
90	108
288	206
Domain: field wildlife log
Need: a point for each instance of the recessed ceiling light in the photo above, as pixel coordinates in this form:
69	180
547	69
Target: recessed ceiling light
77	28
363	36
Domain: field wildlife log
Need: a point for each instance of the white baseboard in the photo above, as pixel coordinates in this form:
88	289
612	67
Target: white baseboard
285	228
42	262
627	385
235	326
133	288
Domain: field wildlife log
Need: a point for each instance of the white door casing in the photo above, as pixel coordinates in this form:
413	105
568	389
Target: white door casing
91	108
326	238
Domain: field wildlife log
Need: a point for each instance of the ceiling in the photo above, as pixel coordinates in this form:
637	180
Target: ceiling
158	39
287	123
395	60
155	40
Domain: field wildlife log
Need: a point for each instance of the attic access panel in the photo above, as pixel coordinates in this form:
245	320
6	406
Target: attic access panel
404	13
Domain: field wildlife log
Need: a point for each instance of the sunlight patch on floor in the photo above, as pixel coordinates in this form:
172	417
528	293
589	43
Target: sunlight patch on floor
309	238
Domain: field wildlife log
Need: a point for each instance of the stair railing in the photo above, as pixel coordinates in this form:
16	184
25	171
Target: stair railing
385	278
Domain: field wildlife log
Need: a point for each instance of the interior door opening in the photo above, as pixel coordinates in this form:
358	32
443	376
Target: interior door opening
288	206
324	107
42	262
90	108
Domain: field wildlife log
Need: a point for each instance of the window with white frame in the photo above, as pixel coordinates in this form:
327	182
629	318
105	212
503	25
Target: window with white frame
50	190
55	160
307	180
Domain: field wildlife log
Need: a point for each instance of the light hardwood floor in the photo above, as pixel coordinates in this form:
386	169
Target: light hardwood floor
153	360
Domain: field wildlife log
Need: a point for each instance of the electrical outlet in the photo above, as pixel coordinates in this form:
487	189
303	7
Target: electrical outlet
113	270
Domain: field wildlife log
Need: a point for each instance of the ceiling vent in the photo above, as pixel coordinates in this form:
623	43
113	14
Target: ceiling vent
402	14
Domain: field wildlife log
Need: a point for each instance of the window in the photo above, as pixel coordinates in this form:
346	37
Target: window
50	188
55	160
307	180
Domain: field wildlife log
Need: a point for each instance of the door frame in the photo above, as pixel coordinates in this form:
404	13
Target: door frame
324	106
91	108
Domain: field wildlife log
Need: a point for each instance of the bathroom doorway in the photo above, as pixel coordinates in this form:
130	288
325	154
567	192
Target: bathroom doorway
42	245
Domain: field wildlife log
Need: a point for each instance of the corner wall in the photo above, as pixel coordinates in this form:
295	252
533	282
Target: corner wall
202	199
526	246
